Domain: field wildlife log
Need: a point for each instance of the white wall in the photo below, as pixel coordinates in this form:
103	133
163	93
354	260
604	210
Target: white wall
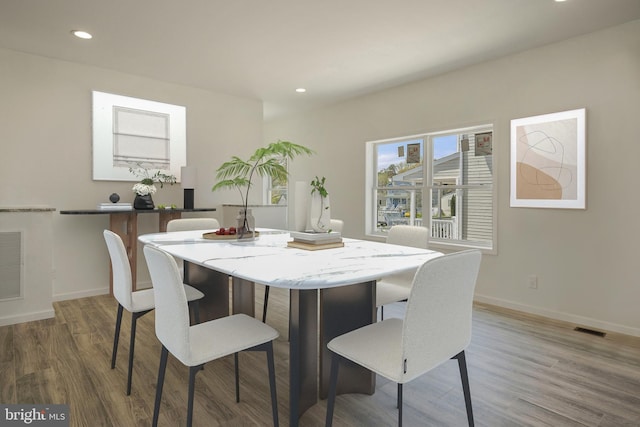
585	260
45	134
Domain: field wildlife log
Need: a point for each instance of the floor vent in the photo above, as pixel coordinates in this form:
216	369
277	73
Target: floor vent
590	331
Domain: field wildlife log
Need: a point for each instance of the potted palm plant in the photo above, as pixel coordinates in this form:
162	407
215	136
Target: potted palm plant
266	162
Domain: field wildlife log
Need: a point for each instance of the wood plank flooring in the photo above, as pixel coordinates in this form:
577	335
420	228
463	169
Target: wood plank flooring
524	371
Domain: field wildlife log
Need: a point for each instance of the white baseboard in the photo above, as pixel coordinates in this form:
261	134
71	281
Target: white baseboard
557	315
80	294
27	317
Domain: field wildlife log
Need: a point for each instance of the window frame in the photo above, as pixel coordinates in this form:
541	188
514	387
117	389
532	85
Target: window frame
371	183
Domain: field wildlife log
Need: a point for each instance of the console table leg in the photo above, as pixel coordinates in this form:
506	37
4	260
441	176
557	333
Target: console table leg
125	225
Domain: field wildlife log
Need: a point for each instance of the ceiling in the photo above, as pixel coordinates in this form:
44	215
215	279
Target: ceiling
265	49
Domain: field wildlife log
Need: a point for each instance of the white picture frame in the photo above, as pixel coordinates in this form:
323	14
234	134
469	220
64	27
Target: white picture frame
128	131
548	161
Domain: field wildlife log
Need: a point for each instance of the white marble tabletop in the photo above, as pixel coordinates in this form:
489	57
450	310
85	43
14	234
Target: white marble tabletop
268	260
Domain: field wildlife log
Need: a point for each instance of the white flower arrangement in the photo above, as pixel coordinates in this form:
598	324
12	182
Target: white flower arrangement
144	189
146	185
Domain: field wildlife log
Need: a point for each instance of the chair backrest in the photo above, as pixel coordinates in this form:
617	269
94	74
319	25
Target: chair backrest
409	235
121	270
172	312
186	224
437	323
336	225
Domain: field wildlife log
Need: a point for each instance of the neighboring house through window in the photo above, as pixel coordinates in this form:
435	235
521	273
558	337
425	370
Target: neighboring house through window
440	180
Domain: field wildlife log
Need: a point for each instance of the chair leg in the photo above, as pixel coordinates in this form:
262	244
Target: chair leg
333	383
132	343
266	302
464	376
237	373
382	312
272	384
116	336
193	370
164	353
399	405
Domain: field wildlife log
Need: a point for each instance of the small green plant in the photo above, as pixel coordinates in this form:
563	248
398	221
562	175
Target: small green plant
318	185
148	178
147	181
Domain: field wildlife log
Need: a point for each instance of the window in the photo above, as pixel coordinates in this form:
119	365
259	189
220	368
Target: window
275	191
441	180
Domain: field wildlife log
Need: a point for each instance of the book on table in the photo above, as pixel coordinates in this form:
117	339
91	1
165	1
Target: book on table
314	246
316	238
114	206
315	241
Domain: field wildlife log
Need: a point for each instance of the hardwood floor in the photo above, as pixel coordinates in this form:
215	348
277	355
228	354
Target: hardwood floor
524	371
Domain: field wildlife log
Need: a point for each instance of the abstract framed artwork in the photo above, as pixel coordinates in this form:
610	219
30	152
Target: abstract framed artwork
129	131
548	158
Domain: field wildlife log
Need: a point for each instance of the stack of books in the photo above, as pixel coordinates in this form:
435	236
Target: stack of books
315	241
114	206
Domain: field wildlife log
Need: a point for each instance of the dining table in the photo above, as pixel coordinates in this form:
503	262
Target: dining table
331	292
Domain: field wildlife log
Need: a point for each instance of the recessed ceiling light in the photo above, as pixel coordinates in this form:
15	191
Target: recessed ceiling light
81	34
301	90
560	1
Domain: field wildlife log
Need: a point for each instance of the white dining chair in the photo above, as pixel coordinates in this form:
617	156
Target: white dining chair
138	303
436	328
191	224
396	287
188	224
195	345
336	225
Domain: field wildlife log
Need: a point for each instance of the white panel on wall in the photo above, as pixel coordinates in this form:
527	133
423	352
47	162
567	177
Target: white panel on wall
10	265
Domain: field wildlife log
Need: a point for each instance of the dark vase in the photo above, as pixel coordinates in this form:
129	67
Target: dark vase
143	202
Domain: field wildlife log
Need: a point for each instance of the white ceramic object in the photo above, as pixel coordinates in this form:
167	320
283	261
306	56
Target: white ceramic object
320	213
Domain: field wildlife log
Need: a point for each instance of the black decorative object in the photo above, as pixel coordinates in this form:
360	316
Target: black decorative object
188	198
143	202
114	197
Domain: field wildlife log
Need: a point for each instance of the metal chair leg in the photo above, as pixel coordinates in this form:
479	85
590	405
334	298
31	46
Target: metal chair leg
272	383
464	376
164	353
333	383
399	405
116	336
237	374
266	302
193	370
132	343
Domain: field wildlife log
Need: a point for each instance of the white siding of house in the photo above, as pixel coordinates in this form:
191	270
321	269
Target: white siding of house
477	204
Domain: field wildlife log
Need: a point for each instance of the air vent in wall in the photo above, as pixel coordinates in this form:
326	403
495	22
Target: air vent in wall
10	265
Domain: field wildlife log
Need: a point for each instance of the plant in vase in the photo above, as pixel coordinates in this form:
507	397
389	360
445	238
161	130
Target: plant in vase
266	162
320	212
146	187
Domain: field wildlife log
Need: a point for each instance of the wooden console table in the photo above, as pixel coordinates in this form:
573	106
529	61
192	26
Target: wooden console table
125	224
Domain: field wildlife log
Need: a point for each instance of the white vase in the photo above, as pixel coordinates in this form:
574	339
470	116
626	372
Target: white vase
246	227
320	213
